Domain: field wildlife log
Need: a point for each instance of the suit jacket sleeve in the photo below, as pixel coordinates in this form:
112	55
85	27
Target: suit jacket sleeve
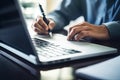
114	29
67	11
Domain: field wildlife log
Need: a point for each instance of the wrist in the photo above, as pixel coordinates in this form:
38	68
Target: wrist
105	32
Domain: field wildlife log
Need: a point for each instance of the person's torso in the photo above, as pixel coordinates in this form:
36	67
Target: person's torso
101	11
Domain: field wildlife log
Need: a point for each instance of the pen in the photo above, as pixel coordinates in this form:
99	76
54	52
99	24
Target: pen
45	19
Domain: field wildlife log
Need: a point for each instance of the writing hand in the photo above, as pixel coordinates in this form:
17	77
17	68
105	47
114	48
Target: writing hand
41	27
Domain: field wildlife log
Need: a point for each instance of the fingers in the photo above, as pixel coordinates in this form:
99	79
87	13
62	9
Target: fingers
78	32
72	33
81	35
41	22
81	24
41	27
85	29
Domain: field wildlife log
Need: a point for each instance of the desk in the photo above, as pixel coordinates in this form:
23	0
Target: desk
11	71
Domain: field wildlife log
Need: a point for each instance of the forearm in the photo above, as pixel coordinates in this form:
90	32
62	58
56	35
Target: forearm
67	11
114	29
59	19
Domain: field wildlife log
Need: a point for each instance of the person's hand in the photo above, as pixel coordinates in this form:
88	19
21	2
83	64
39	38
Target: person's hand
86	29
41	27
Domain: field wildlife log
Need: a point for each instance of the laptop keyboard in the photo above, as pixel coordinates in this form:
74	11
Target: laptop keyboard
48	49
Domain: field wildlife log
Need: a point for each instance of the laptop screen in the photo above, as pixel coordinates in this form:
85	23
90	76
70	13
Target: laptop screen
12	27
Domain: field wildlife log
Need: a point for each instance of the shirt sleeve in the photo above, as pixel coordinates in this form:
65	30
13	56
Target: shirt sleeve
114	29
67	11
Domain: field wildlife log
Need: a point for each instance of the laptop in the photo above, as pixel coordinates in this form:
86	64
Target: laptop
15	38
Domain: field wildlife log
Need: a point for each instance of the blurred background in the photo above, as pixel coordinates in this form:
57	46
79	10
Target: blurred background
30	7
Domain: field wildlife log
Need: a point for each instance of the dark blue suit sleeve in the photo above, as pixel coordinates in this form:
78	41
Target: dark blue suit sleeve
114	29
67	11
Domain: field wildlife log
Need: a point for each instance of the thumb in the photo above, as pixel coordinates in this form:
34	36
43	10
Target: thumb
51	24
